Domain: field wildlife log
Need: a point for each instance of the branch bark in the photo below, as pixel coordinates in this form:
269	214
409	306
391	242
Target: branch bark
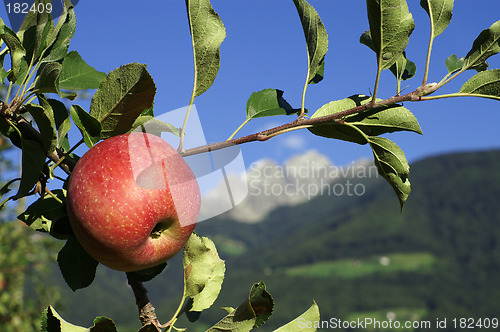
304	122
147	314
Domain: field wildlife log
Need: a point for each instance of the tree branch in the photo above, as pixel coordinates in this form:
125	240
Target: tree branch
303	122
147	313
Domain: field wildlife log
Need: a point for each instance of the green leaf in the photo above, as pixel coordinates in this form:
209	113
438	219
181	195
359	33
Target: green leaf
62	121
52	322
16	50
76	74
61	34
403	69
440	12
47	80
371	122
268	102
103	324
391	25
45	212
392	165
207	34
44	118
454	64
262	303
146	274
203	272
77	266
121	98
305	322
33	161
89	126
485	45
152	125
253	312
316	40
484	83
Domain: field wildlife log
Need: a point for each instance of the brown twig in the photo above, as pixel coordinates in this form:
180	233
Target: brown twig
304	122
147	314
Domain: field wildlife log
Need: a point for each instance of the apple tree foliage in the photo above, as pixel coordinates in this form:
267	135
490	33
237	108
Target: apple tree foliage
42	77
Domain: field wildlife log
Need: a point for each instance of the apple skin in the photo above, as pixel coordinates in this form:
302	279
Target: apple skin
132	201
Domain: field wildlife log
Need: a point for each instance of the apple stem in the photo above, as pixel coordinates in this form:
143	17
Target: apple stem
147	314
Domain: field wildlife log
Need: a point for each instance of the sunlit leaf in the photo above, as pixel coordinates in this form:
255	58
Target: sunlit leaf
371	122
76	74
391	25
403	69
203	272
316	39
268	102
207	34
484	83
53	322
310	317
121	98
454	64
484	46
61	35
440	12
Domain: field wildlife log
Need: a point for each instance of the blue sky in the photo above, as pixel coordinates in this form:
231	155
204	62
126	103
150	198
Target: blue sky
265	48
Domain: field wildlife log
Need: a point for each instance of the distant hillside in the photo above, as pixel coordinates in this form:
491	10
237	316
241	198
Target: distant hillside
356	256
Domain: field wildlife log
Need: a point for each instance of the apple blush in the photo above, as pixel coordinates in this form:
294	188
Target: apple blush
132	201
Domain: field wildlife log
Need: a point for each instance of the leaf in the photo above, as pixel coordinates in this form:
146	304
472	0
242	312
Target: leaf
122	96
268	102
33	160
484	83
89	126
440	12
52	322
207	34
371	122
16	50
391	25
454	64
103	324
61	35
304	322
485	45
253	312
316	40
392	165
152	125
47	80
262	303
403	69
76	74
147	274
62	121
43	213
203	272
77	266
44	118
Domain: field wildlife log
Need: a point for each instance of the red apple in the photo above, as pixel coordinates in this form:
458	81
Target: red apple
132	201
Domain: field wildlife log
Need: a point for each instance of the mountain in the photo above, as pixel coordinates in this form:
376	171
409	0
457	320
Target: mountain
354	254
271	185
